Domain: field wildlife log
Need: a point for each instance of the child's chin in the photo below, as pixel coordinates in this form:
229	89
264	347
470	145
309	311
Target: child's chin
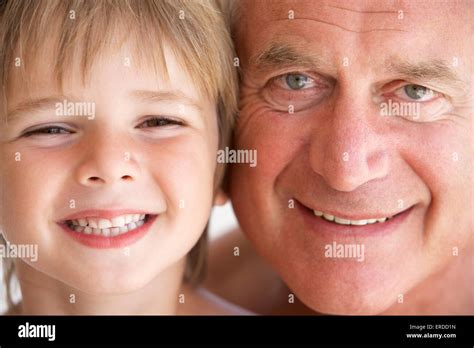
112	288
110	284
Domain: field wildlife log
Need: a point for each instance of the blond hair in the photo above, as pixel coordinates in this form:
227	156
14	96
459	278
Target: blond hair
196	31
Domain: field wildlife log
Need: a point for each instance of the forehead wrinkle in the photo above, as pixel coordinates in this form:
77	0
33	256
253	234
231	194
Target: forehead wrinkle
327	10
364	12
342	27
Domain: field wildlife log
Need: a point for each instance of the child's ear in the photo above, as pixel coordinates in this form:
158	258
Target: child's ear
220	198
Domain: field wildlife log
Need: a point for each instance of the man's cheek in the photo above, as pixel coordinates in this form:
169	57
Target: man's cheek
272	154
435	153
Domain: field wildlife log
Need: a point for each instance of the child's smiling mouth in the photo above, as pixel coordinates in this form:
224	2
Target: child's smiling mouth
108	229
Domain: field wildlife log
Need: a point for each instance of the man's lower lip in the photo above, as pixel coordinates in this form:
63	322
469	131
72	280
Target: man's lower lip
101	242
321	226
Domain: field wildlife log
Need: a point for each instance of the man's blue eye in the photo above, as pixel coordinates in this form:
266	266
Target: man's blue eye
416	92
297	81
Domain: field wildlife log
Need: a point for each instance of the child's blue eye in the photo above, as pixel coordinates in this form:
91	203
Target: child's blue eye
50	130
159	122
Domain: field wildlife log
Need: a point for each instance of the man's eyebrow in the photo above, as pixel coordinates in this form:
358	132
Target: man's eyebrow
36	105
175	96
280	54
436	70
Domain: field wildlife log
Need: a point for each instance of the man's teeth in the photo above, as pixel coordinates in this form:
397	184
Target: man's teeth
108	228
342	221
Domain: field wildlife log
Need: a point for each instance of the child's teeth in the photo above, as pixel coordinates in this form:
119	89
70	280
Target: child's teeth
104	223
106	227
342	221
118	221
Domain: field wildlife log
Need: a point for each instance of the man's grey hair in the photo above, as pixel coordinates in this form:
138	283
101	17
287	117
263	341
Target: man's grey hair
232	12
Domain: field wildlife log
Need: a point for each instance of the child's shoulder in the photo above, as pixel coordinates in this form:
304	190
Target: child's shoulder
15	310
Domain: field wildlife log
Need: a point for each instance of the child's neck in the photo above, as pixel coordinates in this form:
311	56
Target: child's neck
45	295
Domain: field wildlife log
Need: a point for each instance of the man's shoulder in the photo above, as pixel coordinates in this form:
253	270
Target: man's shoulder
200	301
238	274
231	259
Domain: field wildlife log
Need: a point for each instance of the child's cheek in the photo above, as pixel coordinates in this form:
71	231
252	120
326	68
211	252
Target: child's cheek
183	169
31	181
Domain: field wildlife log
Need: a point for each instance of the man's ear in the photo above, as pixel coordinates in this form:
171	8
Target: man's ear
220	197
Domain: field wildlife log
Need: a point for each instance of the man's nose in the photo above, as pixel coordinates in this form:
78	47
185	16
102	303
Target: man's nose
346	149
106	160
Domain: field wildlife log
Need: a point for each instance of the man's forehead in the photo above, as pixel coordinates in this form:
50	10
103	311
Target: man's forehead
327	31
270	8
357	16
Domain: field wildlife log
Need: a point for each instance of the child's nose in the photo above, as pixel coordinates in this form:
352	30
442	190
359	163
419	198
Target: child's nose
106	162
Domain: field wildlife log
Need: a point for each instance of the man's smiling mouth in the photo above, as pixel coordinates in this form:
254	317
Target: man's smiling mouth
362	223
344	221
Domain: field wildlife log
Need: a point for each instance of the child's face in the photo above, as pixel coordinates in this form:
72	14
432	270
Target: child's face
115	159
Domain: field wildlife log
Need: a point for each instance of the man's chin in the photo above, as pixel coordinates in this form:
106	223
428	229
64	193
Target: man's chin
349	303
340	296
334	306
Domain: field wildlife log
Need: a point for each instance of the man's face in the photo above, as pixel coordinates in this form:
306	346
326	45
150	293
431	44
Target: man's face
361	114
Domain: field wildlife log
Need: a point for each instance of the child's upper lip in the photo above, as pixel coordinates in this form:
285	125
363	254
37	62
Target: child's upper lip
106	214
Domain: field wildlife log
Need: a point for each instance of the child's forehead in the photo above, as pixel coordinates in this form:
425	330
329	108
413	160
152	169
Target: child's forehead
66	51
114	69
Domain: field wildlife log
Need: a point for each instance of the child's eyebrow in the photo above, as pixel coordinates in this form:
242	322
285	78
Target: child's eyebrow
38	104
48	103
175	96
